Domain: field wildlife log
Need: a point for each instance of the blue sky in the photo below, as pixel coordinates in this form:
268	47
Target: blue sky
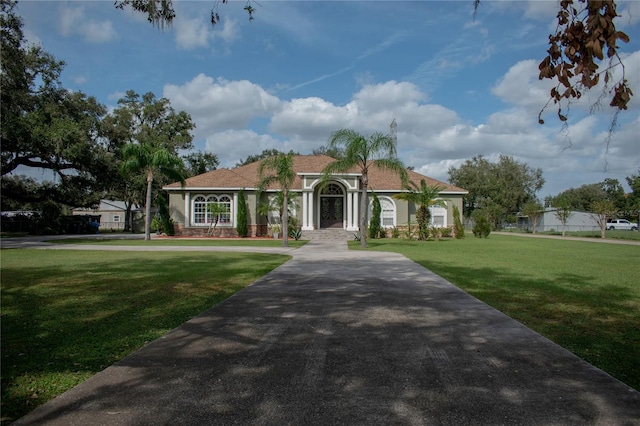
456	86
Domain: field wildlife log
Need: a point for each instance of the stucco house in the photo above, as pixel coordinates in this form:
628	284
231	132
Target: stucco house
335	205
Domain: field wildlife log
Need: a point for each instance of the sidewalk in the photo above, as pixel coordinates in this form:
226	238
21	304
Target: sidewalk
352	338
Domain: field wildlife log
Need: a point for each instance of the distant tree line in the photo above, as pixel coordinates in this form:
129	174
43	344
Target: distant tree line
501	190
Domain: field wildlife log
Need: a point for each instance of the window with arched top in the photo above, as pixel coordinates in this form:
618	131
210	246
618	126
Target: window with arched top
202	217
388	211
438	216
332	189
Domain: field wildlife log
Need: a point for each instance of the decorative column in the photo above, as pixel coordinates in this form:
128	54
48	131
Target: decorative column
349	210
187	209
305	211
310	206
356	211
234	210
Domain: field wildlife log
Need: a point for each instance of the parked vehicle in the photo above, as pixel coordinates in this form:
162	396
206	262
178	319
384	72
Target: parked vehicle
621	224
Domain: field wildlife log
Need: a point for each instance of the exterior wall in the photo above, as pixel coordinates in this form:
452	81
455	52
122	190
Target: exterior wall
176	208
181	205
403	212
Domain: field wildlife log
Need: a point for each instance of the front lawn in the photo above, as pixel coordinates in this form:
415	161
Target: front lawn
68	314
585	296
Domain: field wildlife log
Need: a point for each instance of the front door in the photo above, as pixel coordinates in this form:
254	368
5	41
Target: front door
331	212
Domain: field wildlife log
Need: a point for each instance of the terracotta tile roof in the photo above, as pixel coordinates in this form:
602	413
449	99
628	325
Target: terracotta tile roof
247	176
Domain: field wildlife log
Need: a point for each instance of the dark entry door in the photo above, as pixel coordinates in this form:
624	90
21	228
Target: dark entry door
331	212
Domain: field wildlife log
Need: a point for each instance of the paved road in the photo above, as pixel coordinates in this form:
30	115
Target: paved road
339	337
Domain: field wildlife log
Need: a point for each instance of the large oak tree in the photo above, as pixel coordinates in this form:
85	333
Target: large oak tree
44	128
506	185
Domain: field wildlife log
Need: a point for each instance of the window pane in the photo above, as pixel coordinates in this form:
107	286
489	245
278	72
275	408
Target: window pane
199	210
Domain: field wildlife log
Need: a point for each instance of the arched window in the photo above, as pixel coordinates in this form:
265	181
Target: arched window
202	217
388	213
332	189
438	216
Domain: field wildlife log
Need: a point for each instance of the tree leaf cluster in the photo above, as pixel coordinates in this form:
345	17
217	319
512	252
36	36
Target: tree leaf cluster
279	169
44	126
499	188
424	196
266	153
585	37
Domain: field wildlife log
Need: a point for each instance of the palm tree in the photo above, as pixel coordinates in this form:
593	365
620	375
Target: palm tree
215	209
378	150
150	160
279	169
424	196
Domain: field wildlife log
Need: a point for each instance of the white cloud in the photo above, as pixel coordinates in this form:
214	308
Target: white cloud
73	21
233	145
520	86
216	105
431	137
193	33
373	98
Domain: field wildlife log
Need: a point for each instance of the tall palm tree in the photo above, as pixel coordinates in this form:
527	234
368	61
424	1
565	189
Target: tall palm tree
424	196
279	169
377	150
150	160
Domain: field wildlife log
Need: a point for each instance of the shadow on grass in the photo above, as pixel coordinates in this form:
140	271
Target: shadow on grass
64	322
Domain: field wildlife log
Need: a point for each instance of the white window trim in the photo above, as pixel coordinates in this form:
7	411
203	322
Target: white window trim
232	208
439	211
395	211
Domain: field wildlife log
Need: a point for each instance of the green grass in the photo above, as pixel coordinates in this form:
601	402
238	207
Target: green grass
615	235
69	314
181	242
584	296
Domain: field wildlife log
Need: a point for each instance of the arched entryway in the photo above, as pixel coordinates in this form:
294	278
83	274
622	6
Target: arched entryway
332	206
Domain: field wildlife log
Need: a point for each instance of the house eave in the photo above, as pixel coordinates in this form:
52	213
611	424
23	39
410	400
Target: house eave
205	188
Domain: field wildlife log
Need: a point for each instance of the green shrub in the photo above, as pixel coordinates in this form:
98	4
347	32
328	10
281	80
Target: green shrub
156	224
457	223
242	227
165	218
395	232
295	233
482	227
374	224
446	232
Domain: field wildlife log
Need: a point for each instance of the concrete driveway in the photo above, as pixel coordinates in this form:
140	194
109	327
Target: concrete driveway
339	337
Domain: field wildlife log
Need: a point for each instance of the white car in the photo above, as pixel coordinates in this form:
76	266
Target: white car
622	224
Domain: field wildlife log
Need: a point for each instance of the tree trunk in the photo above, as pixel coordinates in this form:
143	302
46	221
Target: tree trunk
128	217
285	218
147	212
363	211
